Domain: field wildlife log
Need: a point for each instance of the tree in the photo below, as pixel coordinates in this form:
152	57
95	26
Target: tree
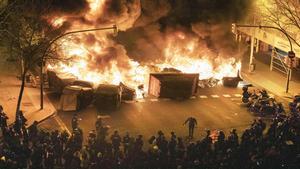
27	33
284	14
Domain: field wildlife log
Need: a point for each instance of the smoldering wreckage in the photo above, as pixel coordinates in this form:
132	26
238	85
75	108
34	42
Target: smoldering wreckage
164	48
78	94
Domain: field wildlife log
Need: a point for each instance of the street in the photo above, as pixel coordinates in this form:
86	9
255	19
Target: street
215	108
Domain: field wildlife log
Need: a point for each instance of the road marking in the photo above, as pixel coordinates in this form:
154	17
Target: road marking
203	97
61	124
141	100
214	96
237	95
128	101
154	100
235	99
226	95
193	97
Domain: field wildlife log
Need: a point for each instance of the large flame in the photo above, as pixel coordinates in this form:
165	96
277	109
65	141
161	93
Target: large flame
92	60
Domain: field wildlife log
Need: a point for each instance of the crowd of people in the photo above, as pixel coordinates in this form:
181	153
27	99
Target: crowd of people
259	102
274	147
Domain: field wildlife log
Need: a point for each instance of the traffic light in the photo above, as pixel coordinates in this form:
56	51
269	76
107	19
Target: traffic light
233	28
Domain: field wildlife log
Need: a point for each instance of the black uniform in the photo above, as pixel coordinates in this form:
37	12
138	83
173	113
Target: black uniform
192	122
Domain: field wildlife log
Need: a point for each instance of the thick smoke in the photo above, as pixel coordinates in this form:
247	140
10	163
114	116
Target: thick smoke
121	12
147	25
210	20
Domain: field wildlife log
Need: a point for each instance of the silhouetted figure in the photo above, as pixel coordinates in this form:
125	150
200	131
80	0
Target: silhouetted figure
98	123
75	121
126	142
192	123
3	118
116	141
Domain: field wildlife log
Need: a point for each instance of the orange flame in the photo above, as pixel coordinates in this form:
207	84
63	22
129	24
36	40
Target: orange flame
182	56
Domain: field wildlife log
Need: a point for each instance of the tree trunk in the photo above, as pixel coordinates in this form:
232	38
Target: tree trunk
21	92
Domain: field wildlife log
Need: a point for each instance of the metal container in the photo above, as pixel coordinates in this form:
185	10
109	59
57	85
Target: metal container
173	85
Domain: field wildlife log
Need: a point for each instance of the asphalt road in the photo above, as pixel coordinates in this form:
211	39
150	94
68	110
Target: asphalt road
214	108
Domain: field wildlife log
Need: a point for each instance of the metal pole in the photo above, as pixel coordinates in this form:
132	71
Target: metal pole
114	27
288	81
251	68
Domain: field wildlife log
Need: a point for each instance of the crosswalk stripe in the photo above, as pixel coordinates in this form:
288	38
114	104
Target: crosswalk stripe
193	97
226	95
141	100
154	100
237	95
215	96
129	101
203	97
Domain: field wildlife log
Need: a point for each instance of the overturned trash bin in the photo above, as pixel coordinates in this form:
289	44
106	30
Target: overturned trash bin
75	98
173	85
108	97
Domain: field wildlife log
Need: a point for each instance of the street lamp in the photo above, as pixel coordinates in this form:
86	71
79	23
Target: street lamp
114	27
291	53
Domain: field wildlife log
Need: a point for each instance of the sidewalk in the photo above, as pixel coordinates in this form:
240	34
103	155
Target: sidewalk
9	92
272	81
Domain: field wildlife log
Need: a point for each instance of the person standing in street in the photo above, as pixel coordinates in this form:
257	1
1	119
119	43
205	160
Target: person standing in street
75	121
192	123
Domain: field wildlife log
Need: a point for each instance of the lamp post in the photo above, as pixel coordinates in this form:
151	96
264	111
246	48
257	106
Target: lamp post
114	27
291	54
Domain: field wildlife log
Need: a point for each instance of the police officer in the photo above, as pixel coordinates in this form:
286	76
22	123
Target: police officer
75	120
116	141
126	142
98	123
192	123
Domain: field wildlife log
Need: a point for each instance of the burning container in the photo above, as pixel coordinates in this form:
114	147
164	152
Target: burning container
108	97
76	97
232	81
173	85
127	92
58	81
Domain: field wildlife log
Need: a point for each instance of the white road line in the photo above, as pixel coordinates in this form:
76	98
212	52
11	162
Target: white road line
153	100
141	100
128	101
226	95
193	97
203	97
237	95
61	124
214	96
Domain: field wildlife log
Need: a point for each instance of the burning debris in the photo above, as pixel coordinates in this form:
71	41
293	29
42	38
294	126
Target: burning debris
180	36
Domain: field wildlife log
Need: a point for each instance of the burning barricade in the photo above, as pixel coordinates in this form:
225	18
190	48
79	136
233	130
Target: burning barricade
173	85
75	98
58	81
108	97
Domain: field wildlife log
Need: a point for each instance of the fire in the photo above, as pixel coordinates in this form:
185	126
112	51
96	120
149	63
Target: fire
96	58
185	57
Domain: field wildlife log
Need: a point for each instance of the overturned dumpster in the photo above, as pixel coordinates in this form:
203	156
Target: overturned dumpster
173	85
108	97
127	92
75	98
58	81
